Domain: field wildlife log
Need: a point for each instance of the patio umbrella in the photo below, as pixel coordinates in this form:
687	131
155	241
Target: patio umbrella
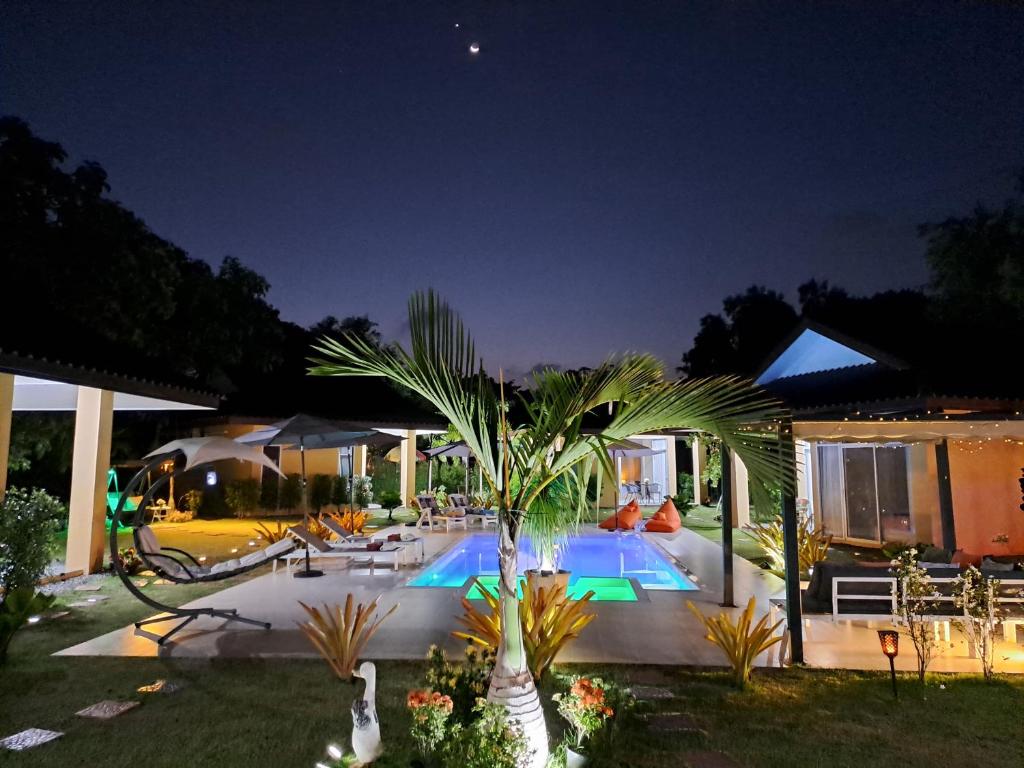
458	449
313	433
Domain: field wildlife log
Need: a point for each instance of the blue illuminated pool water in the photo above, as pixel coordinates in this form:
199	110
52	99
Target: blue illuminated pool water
605	555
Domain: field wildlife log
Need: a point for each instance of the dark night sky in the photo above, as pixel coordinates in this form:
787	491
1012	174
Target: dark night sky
599	177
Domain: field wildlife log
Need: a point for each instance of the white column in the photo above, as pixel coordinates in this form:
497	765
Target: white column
407	466
700	461
670	468
6	414
359	460
740	493
90	461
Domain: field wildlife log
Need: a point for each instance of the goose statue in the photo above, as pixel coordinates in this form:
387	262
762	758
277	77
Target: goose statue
365	727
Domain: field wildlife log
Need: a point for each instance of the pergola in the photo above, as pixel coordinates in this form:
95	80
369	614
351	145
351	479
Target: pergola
35	384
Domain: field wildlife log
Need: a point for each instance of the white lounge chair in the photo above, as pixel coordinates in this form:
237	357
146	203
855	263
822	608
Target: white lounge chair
360	554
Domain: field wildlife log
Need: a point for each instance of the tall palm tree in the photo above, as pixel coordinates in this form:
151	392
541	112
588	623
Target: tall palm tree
549	454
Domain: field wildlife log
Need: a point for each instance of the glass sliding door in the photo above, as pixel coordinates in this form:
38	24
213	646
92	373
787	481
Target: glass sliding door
864	492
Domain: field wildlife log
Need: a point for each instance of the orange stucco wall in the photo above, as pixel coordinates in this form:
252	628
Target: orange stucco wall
987	496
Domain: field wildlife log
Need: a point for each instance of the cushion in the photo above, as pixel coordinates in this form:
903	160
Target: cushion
989	564
227	565
936	555
666	519
253	557
626	518
147	540
966	558
374	546
278	548
937	566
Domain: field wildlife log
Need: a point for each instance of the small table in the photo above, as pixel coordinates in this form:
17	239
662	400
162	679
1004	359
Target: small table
159	511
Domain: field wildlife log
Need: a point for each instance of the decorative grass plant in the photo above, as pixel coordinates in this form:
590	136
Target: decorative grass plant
549	621
341	634
741	641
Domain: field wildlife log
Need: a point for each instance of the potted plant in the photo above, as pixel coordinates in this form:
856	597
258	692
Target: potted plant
585	709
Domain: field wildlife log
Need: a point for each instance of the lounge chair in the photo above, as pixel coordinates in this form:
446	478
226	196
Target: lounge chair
429	512
359	553
343	533
625	518
665	520
483	516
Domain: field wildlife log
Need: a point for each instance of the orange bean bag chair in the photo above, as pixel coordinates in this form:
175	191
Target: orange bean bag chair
665	520
626	518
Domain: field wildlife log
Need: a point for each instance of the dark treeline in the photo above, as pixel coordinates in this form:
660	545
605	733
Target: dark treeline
972	311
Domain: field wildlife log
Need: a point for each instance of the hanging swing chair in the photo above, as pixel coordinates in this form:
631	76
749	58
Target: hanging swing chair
177	565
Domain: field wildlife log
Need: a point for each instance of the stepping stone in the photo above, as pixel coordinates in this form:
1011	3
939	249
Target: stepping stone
97	598
88	588
162	582
674	722
33	737
146	573
81	604
709	759
160	686
105	710
651	693
140	583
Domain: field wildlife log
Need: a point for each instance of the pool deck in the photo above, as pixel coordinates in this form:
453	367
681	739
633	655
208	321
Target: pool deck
659	629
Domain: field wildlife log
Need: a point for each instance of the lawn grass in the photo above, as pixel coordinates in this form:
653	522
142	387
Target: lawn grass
283	712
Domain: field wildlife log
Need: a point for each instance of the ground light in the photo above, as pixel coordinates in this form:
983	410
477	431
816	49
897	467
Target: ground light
890	641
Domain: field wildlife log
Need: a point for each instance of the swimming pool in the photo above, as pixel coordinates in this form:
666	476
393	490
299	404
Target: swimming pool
602	562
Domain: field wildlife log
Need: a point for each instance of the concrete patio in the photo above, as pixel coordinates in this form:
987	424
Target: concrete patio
658	629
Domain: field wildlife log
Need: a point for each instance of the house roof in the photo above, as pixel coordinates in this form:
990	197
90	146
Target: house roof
34	374
823	372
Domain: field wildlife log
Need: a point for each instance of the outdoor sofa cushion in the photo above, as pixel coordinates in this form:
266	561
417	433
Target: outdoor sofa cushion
966	558
665	520
626	518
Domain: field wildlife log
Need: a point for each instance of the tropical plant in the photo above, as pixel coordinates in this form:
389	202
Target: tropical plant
269	490
191	500
315	525
975	595
271	535
429	711
242	495
28	524
812	544
17	606
549	623
389	500
584	707
362	490
741	641
341	634
320	487
548	442
915	601
131	563
465	682
350	519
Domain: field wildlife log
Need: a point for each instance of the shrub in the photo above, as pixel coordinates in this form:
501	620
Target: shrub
191	501
268	491
684	488
290	495
242	495
812	545
584	707
464	683
350	520
28	522
975	595
550	622
319	492
130	561
491	741
389	500
362	490
915	603
339	491
341	635
430	711
17	606
179	516
742	641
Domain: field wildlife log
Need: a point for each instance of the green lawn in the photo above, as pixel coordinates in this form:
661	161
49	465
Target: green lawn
702	520
282	712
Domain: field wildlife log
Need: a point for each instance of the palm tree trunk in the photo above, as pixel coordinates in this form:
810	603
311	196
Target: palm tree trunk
512	685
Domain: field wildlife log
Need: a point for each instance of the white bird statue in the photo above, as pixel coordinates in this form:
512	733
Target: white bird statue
365	727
